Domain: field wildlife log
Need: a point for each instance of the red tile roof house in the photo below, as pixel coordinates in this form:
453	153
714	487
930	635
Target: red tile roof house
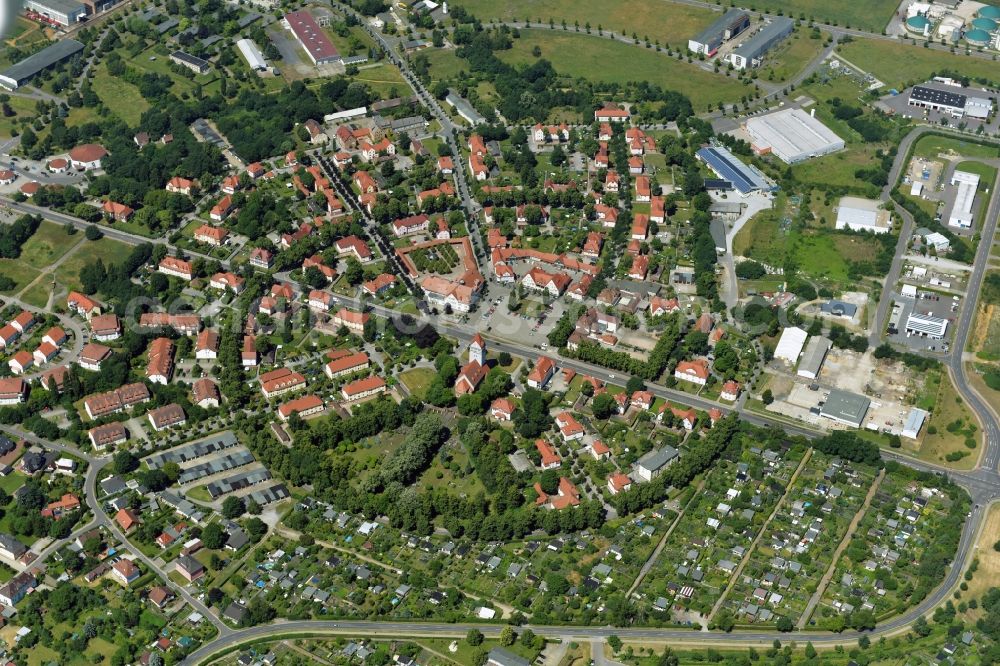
12	390
363	388
353	321
540	375
45	353
248	355
117	211
23	322
346	363
611	114
230	184
178	185
210	235
82	305
63	505
225	281
730	390
695	371
205	393
502	409
354	246
618	483
8	336
160	366
599	450
306	406
410	225
317	262
549	458
105	327
222	209
177	268
321	301
111	434
167	416
261	258
569	427
20	362
663	306
92	355
280	381
126	519
255	170
125	572
566	495
382	283
55	336
445	165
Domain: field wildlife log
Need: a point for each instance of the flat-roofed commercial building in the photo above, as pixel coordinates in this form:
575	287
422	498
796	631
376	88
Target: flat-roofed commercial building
944	101
926	326
726	27
790	344
846	408
727	166
792	135
961	212
317	44
63	12
813	357
751	52
859	214
19	74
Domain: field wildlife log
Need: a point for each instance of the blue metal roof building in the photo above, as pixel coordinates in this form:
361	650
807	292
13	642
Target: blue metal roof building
744	178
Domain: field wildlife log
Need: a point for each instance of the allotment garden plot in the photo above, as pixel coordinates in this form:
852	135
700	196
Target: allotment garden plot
799	545
716	532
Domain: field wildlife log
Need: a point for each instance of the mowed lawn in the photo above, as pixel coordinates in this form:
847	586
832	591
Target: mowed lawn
384	79
899	65
667	22
122	99
600	59
871	15
106	249
417	380
791	56
445	64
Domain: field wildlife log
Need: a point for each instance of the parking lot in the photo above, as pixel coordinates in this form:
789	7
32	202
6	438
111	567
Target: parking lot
899	104
926	303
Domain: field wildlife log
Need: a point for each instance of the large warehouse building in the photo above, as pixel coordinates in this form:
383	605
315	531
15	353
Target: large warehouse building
729	25
859	214
317	44
955	104
61	12
961	212
727	166
252	54
792	135
790	344
846	408
751	52
19	74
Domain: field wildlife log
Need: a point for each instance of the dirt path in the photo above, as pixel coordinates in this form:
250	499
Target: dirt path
818	595
663	542
760	535
49	270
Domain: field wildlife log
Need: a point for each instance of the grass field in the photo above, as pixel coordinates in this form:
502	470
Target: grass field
417	380
873	15
899	65
988	570
383	79
790	56
111	251
19	272
122	99
667	22
931	146
597	59
48	244
445	64
946	409
22	107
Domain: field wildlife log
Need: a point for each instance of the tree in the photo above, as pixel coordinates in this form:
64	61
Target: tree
233	507
784	624
124	462
507	636
604	406
767	397
93	233
213	536
615	643
474	637
634	384
810	650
